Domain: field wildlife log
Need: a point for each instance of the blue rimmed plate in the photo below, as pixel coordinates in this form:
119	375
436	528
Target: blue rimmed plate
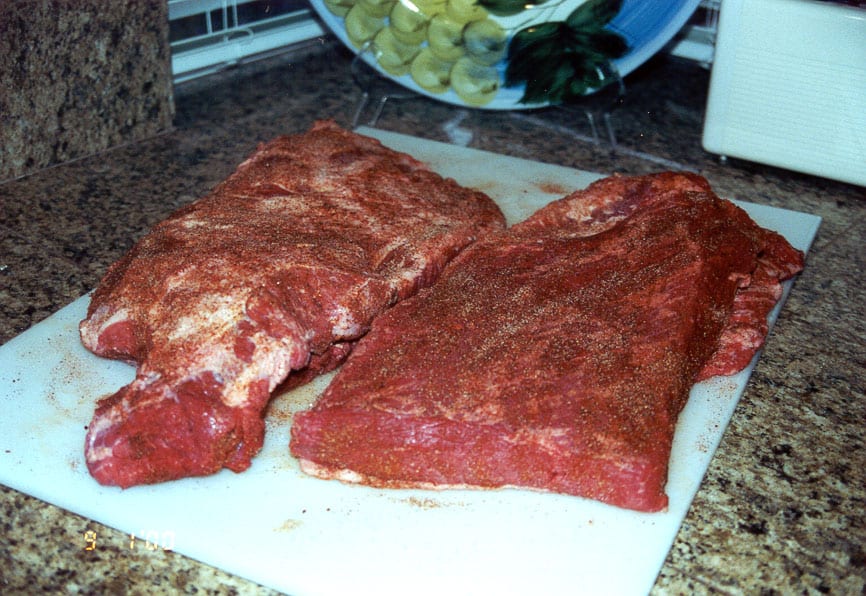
504	54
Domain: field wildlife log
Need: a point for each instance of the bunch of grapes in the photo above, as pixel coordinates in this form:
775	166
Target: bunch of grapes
441	44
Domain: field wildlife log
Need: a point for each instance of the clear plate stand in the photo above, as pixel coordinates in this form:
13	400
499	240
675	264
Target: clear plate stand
376	90
597	109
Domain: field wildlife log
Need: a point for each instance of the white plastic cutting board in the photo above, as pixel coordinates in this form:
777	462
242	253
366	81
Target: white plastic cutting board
306	536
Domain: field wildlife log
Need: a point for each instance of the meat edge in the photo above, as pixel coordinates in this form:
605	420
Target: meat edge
492	461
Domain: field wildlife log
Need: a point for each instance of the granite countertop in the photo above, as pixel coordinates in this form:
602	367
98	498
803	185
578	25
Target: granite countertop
783	506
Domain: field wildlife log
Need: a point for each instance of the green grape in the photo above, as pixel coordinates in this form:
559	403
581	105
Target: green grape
361	26
408	23
413	38
485	41
339	7
393	55
464	11
431	72
378	8
445	37
428	7
476	84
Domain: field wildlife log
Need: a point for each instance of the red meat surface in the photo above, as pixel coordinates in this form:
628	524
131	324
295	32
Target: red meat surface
280	269
556	355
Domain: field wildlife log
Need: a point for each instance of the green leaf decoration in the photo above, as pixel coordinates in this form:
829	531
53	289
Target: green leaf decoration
561	61
606	43
593	14
507	8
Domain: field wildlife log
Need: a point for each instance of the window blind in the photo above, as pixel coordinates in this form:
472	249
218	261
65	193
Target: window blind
209	35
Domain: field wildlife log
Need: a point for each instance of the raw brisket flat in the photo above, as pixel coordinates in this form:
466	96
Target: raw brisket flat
281	268
556	355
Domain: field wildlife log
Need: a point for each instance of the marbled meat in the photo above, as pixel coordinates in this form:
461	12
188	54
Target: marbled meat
280	269
556	355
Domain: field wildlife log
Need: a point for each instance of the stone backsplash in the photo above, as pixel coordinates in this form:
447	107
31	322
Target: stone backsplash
78	77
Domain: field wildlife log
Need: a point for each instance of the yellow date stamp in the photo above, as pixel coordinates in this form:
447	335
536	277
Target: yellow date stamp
147	540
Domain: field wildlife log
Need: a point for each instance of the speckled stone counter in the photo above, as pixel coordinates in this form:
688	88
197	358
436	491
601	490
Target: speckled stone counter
781	509
80	77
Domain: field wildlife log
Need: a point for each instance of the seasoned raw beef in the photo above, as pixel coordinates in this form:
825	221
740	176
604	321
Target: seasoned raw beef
557	355
281	268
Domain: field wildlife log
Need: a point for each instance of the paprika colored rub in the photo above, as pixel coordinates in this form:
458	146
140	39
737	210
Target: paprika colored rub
267	280
556	355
